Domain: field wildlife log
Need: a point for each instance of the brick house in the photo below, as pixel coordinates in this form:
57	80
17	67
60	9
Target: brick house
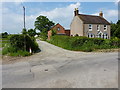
60	30
90	25
67	32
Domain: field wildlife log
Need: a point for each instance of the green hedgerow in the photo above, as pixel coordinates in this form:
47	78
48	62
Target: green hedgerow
24	42
19	45
86	44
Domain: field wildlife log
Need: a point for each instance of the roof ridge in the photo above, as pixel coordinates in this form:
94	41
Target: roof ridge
93	19
89	15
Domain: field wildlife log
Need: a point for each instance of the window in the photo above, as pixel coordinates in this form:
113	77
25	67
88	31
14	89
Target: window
105	27
58	29
90	27
90	35
100	34
105	36
98	27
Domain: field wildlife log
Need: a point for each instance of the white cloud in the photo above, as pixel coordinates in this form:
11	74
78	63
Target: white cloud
110	15
62	15
13	23
61	12
14	0
116	2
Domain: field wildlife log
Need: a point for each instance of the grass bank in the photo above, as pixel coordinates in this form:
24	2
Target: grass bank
83	43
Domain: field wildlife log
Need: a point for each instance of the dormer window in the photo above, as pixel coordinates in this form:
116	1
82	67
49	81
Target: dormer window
90	27
105	27
98	27
58	29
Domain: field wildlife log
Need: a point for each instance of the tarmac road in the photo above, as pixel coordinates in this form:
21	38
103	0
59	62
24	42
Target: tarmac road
55	67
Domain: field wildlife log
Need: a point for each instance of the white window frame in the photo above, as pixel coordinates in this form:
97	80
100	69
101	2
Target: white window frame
98	27
90	28
105	27
100	35
105	36
90	35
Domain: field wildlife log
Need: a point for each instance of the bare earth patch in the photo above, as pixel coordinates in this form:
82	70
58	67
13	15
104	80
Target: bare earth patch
11	60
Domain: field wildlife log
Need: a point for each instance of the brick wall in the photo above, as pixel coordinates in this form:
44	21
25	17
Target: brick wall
59	30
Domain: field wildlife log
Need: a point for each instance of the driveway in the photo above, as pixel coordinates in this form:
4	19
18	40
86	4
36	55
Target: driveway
55	67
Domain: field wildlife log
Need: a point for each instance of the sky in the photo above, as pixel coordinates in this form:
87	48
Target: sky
58	12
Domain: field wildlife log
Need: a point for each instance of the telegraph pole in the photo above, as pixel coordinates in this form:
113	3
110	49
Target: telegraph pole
24	28
24	15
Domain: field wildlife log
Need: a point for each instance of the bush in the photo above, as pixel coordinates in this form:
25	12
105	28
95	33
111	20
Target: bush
8	48
98	41
83	43
115	42
78	41
19	45
24	42
12	51
4	35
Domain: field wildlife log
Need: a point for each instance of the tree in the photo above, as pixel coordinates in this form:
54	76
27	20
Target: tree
31	32
115	29
53	32
4	35
43	24
24	31
118	22
117	32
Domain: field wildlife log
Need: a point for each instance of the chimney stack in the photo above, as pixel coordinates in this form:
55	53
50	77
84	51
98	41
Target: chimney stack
76	12
101	14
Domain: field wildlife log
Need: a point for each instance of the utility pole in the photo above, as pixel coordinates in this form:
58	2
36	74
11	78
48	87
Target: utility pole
24	15
24	28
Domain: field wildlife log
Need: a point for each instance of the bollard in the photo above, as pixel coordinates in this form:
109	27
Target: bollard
30	50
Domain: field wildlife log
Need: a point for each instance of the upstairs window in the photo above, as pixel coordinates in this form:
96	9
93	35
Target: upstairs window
90	27
105	27
58	29
98	27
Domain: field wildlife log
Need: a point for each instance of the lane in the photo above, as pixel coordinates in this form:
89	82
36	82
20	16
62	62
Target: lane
55	67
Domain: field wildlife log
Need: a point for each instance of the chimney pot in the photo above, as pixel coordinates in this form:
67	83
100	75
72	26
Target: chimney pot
76	12
101	14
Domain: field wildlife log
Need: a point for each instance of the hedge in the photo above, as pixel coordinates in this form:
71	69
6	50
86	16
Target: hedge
78	43
19	45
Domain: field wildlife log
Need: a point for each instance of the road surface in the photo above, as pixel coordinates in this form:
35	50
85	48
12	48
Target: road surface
55	67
